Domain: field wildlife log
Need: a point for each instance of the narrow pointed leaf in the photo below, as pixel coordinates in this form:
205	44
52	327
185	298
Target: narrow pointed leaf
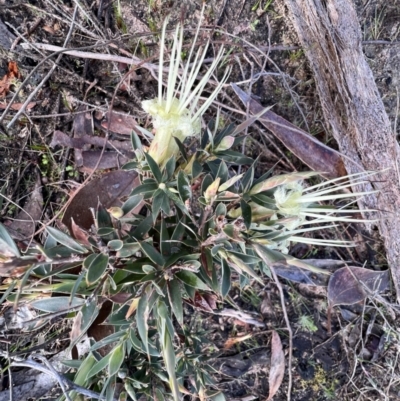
65	240
185	191
154	168
116	359
225	278
5	236
97	268
152	253
191	280
175	298
246	213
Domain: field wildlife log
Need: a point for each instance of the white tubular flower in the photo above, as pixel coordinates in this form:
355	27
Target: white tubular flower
176	113
294	200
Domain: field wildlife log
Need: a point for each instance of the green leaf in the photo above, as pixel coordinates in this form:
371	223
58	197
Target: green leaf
145	305
154	168
231	156
136	142
112	338
116	360
103	218
136	343
143	228
225	144
115	244
177	202
226	185
241	267
88	260
175	299
9	242
109	386
225	278
169	169
152	253
170	362
191	280
185	191
246	213
248	178
56	304
146	189
197	169
99	366
130	166
105	231
157	202
65	240
128	249
181	148
165	244
178	233
88	314
223	172
228	130
142	315
248	259
264	201
191	291
131	203
220	210
81	375
97	268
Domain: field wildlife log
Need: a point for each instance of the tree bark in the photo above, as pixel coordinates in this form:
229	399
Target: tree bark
331	38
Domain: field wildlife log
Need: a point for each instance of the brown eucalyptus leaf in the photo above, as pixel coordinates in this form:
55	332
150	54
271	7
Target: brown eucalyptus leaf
109	160
106	190
350	285
62	139
119	123
17	106
309	150
277	370
79	234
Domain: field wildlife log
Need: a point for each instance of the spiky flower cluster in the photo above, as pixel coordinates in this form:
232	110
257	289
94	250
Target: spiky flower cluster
176	113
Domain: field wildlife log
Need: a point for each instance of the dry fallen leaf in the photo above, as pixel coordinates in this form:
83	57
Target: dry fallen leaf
277	365
106	190
309	150
122	124
17	106
350	285
9	78
230	342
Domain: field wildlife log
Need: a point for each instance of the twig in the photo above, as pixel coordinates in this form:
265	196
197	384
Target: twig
46	78
65	383
289	329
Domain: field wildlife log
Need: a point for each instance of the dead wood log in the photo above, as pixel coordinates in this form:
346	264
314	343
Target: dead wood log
331	38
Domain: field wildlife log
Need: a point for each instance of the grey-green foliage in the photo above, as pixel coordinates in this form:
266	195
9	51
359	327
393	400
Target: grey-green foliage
199	225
